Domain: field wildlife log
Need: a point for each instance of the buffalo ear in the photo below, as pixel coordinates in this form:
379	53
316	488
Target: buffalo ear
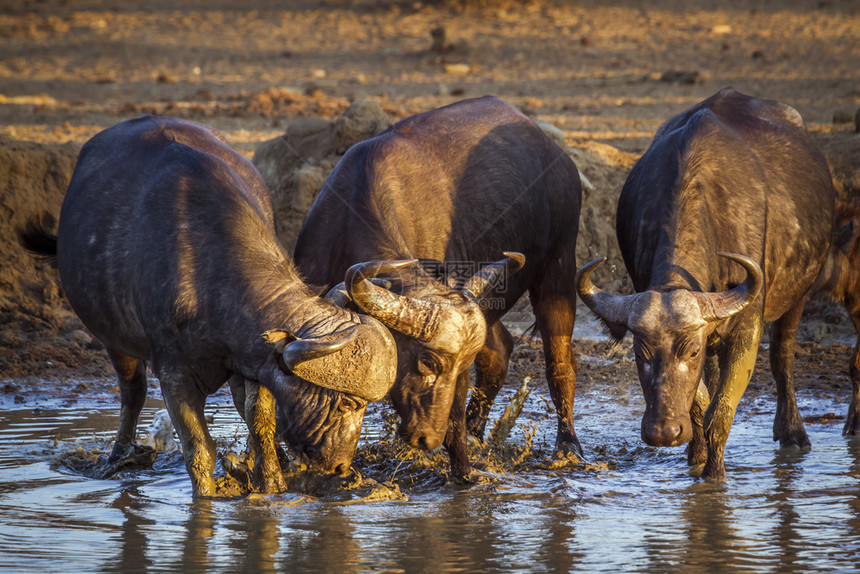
616	331
842	236
279	339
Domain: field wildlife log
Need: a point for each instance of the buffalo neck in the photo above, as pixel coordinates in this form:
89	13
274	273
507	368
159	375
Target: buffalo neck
685	251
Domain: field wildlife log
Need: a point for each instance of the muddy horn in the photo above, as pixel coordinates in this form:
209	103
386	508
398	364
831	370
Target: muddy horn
612	309
361	360
413	317
303	350
482	282
718	306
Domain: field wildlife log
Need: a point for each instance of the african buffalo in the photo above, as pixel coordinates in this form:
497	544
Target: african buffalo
840	278
455	187
166	250
724	224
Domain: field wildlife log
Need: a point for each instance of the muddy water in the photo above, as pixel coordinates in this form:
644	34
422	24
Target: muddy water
630	508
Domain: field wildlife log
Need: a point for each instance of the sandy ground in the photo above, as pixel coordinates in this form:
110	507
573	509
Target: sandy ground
605	73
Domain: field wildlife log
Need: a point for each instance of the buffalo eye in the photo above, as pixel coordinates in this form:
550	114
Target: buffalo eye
642	353
694	353
428	364
347	405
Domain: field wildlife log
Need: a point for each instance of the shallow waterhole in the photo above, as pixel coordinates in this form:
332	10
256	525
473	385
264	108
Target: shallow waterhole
628	508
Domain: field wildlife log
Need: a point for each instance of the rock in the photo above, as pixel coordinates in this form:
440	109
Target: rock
457	69
360	121
80	338
159	435
10	338
843	117
685	77
296	164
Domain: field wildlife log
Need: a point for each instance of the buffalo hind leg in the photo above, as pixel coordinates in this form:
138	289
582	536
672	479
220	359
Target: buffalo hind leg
455	438
787	424
185	404
491	368
736	365
852	421
554	316
131	374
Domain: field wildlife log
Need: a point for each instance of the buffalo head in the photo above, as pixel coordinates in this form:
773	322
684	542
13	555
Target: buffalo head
323	384
670	331
438	330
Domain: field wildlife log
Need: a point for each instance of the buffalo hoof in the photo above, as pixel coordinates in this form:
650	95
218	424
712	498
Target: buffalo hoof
796	438
237	468
569	445
132	457
852	422
468	479
714	473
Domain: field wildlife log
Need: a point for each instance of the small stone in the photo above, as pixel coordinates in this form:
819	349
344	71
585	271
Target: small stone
79	337
686	77
843	117
458	69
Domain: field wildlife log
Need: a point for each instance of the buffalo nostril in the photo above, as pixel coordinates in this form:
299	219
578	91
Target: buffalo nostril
660	435
341	469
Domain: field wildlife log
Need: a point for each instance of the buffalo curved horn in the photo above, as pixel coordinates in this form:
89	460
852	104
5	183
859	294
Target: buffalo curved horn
339	296
718	306
613	309
303	350
479	283
412	317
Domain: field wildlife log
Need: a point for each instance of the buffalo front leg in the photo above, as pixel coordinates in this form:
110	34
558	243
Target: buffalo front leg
787	424
260	416
185	404
737	362
455	438
697	449
131	374
491	368
554	318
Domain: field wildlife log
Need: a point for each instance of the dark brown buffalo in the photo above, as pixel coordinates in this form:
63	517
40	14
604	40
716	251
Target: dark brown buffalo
724	224
167	251
457	187
840	278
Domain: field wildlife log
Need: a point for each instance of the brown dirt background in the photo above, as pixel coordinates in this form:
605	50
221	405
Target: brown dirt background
601	74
